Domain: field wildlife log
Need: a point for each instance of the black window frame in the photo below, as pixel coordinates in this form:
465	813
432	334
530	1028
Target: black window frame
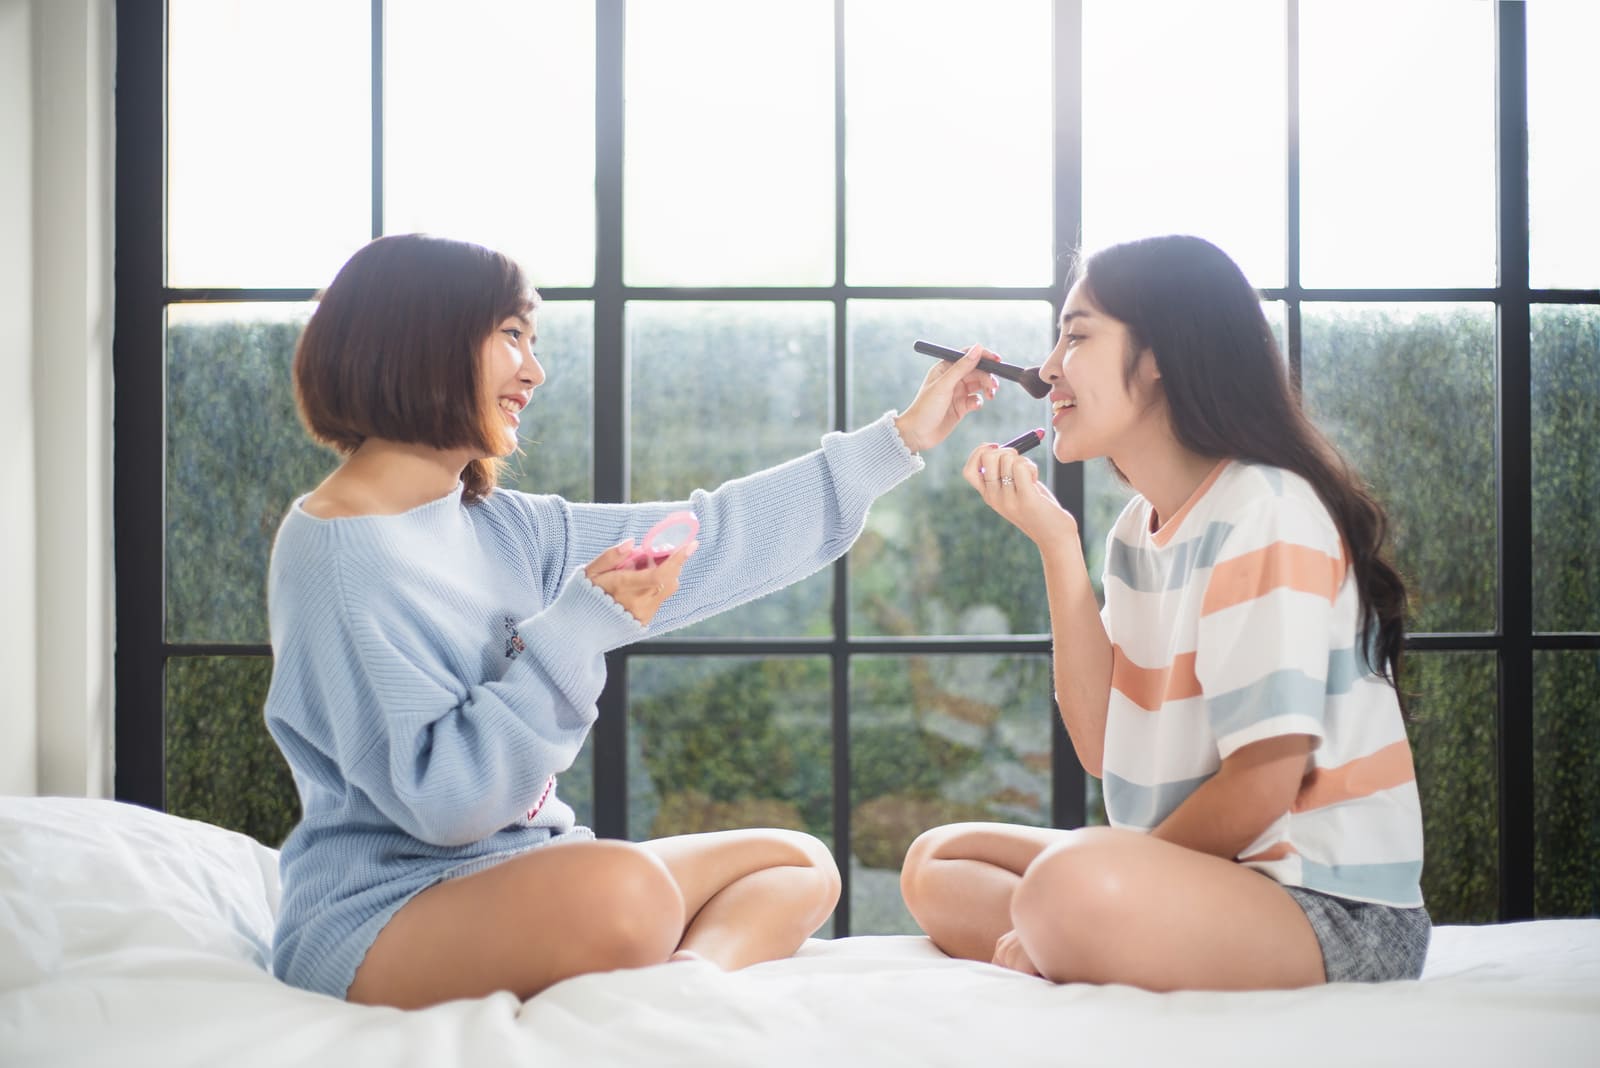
142	297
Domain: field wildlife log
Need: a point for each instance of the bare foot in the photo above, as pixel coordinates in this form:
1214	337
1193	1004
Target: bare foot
1008	953
686	954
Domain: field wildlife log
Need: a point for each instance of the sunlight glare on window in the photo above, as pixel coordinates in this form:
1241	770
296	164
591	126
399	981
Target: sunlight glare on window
729	172
1184	127
489	129
1397	129
269	123
948	129
1563	161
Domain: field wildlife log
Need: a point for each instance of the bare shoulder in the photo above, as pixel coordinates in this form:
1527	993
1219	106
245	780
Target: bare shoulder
339	498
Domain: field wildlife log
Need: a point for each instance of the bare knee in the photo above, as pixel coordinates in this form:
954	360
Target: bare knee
929	847
1073	900
815	873
633	913
825	874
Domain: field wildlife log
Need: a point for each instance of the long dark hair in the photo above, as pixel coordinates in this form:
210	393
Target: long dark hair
393	349
1229	395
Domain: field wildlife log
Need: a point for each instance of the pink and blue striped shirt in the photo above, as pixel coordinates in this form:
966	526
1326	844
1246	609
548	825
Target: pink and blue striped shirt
1237	620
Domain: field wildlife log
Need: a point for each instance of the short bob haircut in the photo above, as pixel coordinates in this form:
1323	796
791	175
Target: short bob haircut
393	349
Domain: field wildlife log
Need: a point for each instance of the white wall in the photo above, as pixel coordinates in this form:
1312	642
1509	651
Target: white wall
56	629
18	727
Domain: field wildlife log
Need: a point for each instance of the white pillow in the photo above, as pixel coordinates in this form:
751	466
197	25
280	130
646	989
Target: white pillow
81	879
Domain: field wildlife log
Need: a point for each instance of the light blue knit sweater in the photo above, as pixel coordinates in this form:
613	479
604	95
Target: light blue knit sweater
435	670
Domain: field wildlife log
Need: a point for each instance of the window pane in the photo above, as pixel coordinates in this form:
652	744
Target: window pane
1104	497
557	431
1397	172
221	764
719	390
721	742
1566	782
575	786
237	455
1277	313
269	140
934	559
729	175
933	740
1566	479
1407	393
1184	127
948	157
1563	161
1451	706
500	152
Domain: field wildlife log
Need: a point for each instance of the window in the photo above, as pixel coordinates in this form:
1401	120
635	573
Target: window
783	198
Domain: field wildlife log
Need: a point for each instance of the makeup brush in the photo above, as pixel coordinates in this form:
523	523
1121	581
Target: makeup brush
1026	377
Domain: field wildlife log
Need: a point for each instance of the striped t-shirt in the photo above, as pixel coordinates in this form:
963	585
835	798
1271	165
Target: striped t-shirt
1238	620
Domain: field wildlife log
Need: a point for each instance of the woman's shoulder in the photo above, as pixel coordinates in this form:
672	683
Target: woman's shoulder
534	519
539	506
1259	495
1247	482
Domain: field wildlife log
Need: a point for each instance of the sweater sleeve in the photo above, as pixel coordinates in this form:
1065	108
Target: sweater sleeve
767	530
447	761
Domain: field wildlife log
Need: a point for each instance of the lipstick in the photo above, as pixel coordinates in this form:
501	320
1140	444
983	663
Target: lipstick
1025	440
1026	377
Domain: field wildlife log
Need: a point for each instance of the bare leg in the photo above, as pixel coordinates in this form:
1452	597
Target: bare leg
749	895
958	881
524	925
1116	906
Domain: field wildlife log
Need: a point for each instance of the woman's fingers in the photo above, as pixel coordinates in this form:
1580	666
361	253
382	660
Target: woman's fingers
609	560
639	590
974	381
991	470
976	469
667	571
950	391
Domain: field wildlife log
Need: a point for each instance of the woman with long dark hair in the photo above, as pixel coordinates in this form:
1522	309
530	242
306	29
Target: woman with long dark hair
1238	694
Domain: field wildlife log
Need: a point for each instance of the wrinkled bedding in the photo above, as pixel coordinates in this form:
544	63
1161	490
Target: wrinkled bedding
135	938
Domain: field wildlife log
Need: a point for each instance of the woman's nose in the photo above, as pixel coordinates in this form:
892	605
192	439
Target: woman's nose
532	371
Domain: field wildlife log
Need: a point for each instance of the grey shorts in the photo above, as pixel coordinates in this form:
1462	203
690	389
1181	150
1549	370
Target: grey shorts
1365	943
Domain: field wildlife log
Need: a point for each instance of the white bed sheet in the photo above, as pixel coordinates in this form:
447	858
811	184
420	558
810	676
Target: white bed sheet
87	979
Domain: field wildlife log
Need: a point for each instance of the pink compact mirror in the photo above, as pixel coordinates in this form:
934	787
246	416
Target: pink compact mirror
674	529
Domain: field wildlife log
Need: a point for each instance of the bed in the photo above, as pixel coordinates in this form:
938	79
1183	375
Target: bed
131	937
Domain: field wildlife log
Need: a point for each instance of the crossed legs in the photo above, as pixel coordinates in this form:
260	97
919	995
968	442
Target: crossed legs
1108	906
730	897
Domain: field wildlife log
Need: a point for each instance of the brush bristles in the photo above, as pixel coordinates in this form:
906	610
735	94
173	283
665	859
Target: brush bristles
1035	385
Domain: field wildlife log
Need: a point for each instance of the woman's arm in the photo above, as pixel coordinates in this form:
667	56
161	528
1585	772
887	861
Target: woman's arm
1080	650
764	531
1255	786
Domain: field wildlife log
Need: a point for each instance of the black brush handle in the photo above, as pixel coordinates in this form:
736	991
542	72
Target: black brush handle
995	367
1026	377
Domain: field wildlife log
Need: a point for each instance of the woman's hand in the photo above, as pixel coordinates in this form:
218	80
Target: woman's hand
1010	485
640	592
1008	953
949	391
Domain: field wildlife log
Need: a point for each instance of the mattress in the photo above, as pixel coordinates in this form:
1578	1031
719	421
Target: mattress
131	937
